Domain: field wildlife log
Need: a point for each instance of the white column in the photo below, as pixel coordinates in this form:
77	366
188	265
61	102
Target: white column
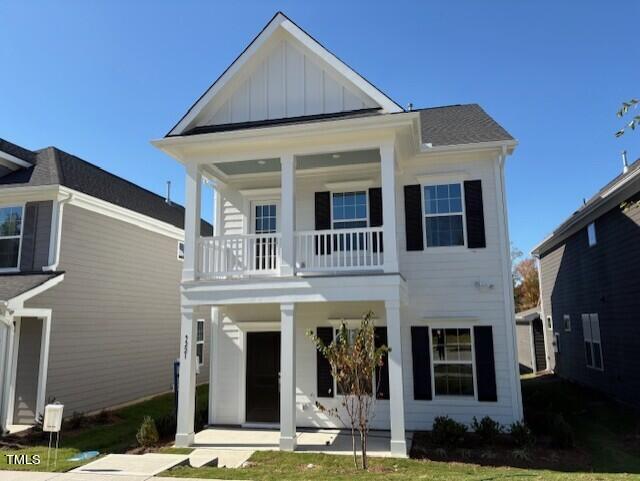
288	214
6	357
43	368
193	192
287	377
388	174
187	381
213	360
396	389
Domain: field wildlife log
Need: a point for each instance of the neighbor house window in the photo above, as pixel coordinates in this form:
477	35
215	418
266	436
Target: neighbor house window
10	236
591	233
200	341
349	210
549	323
444	224
567	322
452	362
180	252
592	343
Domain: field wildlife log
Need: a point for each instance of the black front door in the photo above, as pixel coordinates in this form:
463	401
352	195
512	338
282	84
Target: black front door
263	377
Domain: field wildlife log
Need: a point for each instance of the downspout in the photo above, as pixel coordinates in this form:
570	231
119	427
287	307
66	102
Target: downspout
512	347
56	240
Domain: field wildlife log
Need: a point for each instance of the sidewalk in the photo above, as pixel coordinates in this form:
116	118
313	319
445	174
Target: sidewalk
34	476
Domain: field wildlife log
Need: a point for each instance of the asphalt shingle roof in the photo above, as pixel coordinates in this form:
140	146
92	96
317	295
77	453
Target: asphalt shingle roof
53	166
12	285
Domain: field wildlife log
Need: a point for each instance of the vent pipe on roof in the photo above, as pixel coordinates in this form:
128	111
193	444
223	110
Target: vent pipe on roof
625	164
168	198
410	107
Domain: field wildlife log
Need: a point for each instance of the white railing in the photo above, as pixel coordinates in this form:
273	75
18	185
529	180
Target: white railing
239	255
339	250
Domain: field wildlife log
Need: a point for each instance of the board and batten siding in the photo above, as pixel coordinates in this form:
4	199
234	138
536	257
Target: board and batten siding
604	279
442	283
116	316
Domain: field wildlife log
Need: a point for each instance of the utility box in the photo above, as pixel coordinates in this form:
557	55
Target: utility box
52	418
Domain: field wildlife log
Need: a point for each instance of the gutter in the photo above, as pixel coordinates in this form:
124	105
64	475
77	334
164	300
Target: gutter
55	241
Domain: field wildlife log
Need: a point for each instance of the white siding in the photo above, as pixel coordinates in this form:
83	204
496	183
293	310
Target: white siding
289	82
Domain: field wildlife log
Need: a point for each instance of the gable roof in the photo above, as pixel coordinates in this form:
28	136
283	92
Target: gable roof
52	166
281	22
627	183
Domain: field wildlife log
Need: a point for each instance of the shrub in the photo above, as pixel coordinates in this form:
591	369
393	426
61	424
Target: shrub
561	433
487	429
521	454
147	435
521	435
446	432
77	420
104	417
166	426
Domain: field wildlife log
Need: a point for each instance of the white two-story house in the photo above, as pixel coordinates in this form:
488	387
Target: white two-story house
332	200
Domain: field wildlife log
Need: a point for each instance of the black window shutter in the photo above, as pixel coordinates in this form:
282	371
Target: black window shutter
375	215
485	364
29	236
382	373
475	214
323	221
413	217
421	353
324	379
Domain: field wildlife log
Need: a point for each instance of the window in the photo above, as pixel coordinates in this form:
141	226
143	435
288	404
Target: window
265	222
591	234
349	210
10	236
443	215
592	343
452	362
556	342
200	341
180	253
265	219
351	339
549	323
567	322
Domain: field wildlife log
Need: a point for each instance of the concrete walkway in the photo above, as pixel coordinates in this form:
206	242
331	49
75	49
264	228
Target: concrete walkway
32	476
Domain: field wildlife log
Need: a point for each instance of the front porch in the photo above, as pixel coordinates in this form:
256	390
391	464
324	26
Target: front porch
326	441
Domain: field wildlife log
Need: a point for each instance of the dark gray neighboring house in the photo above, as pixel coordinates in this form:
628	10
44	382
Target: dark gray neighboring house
590	290
532	355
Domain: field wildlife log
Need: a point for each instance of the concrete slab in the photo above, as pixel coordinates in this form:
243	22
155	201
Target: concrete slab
26	476
160	478
203	457
73	476
224	458
147	465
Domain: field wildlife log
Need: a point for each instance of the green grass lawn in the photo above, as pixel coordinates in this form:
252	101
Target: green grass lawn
604	430
117	437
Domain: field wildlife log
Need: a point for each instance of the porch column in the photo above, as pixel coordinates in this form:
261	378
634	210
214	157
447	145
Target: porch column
287	377
213	360
388	174
6	357
288	214
396	389
193	188
187	381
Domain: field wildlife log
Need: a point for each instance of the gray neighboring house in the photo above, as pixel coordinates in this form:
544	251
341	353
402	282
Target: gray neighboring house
90	267
590	290
532	355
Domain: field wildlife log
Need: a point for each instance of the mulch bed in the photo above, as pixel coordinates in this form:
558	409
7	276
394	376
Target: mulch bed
501	453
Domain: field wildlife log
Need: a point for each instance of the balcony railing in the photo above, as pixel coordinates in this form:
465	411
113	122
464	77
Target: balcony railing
247	255
239	255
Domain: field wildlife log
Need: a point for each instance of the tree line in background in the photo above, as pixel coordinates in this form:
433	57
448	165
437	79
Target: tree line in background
526	285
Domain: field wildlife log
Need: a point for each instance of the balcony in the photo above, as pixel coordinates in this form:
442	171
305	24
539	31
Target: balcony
316	253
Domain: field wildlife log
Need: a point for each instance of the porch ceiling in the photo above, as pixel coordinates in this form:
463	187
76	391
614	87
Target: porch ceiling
304	162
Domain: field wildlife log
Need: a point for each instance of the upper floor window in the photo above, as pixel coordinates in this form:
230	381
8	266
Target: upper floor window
10	236
567	322
592	342
444	215
349	210
591	233
452	362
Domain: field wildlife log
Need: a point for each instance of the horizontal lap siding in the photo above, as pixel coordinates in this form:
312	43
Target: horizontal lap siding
603	279
116	315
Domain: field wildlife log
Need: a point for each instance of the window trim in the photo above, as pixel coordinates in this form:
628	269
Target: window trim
348	191
440	397
435	182
200	342
591	342
592	238
566	325
21	236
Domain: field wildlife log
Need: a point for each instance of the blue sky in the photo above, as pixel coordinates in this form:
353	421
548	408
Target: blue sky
101	79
